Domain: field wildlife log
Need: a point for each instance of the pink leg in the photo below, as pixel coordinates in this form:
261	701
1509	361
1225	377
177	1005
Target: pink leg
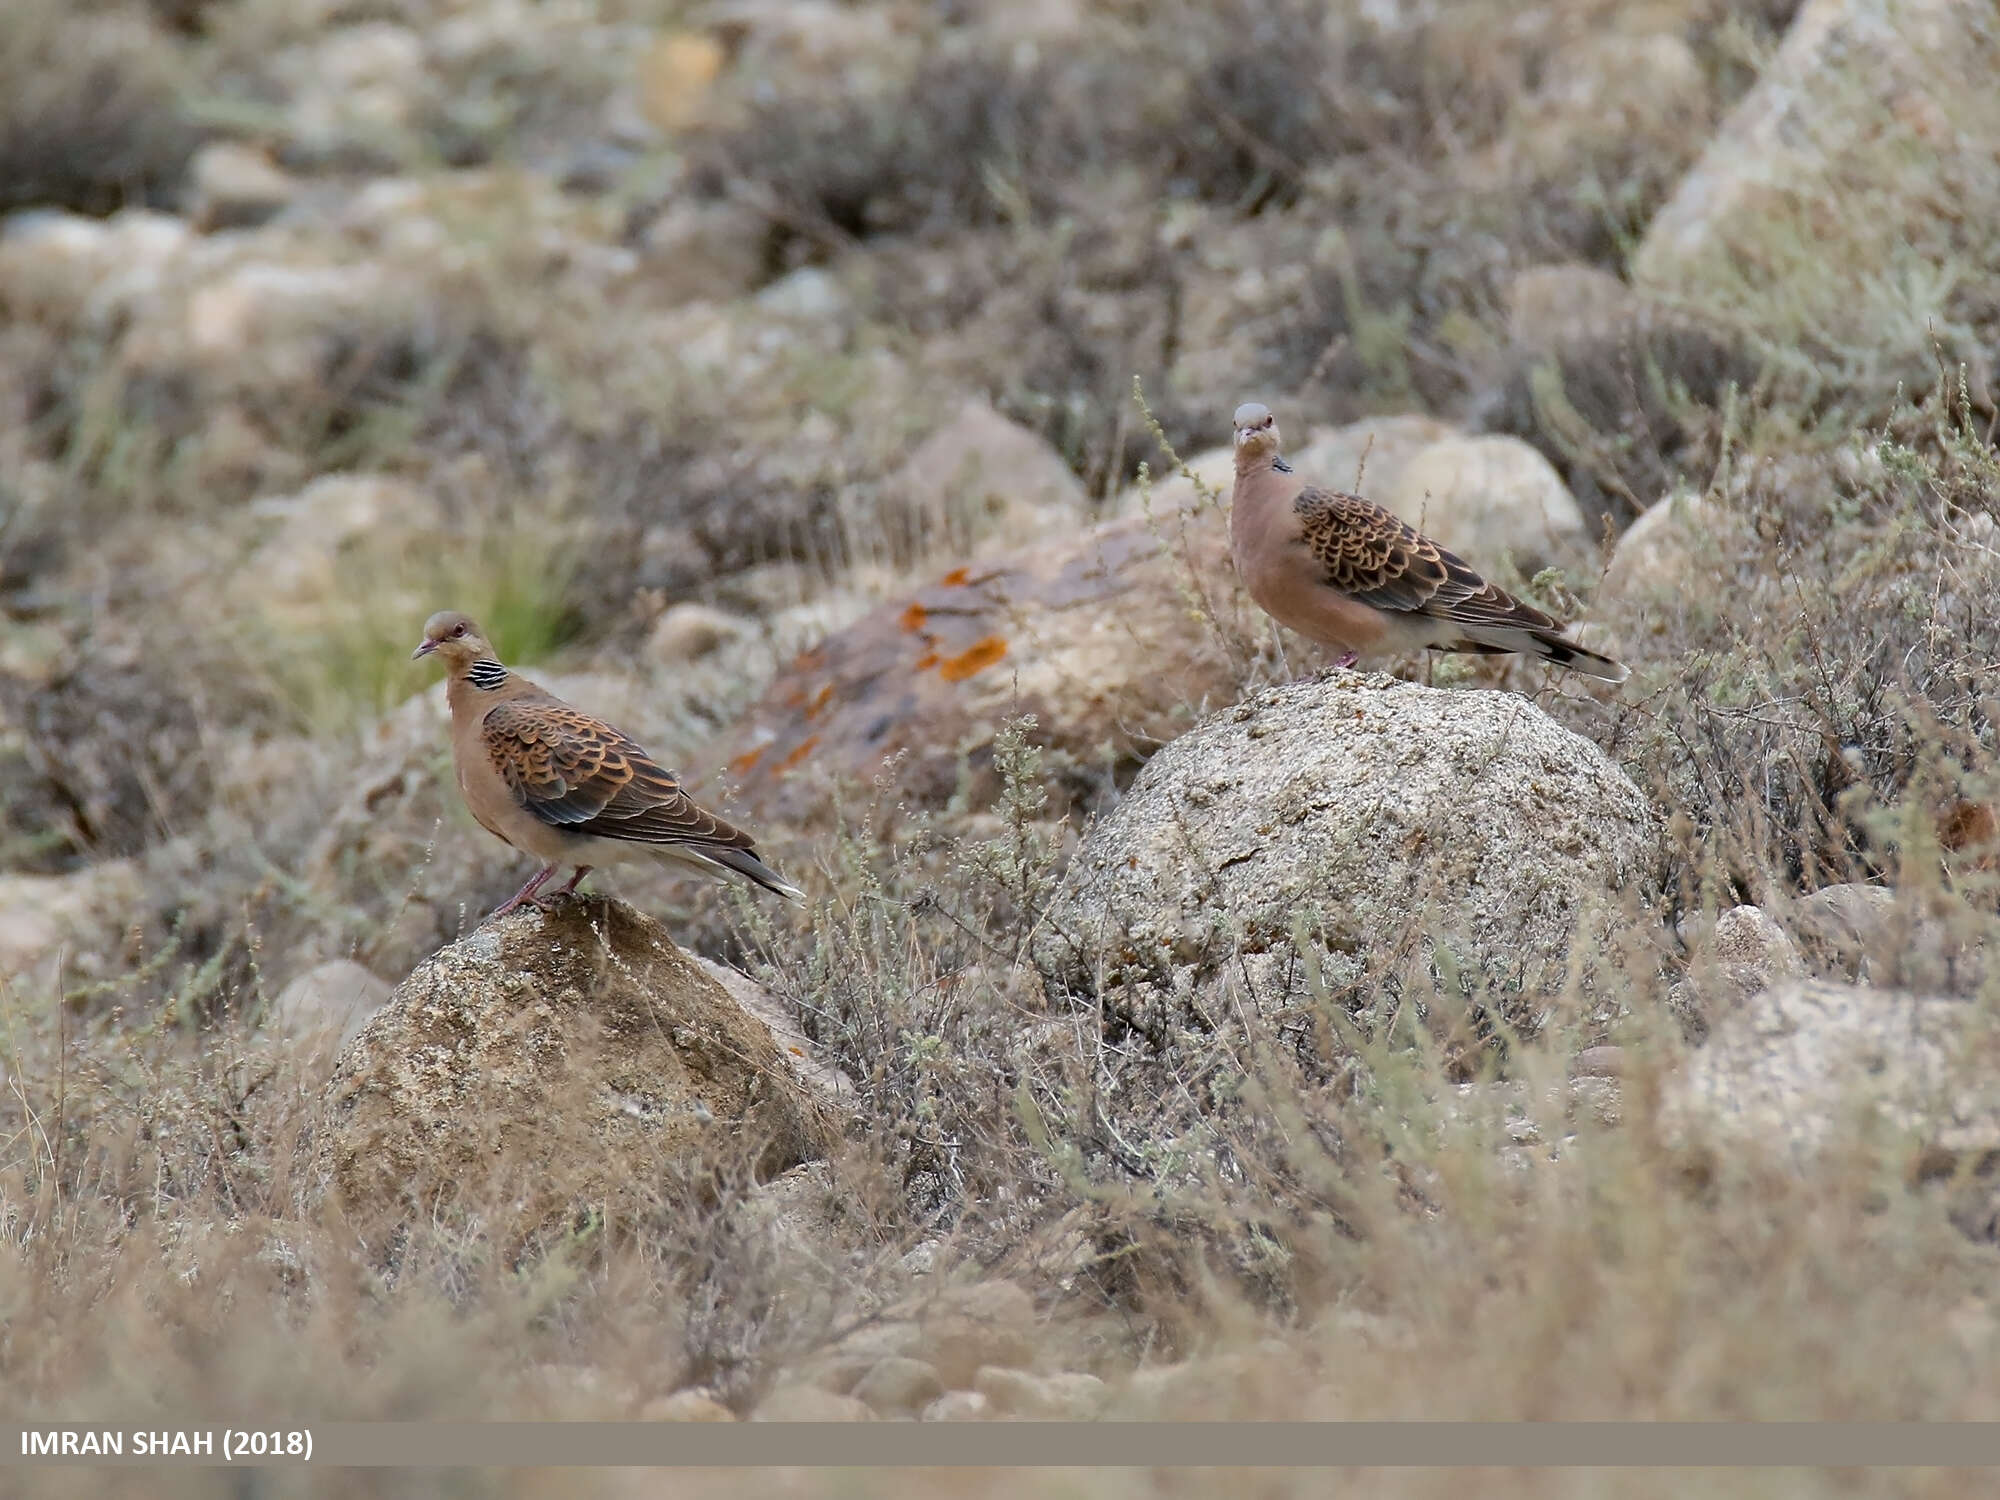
1347	660
526	892
574	880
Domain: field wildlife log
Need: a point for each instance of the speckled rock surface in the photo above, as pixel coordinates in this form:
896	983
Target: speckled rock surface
550	1063
1349	808
1801	1063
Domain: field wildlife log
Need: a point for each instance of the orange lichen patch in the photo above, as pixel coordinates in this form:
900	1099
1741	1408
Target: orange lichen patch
745	763
928	660
975	658
819	701
805	747
955	577
914	617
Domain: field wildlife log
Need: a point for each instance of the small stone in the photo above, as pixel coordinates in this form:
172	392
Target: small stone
676	74
353	85
1886	937
1070	1396
687	632
990	1323
807	295
296	573
1804	1065
1652	560
1599	1062
705	251
327	1004
691	1405
899	1384
233	186
982	479
1754	948
958	1406
808	1403
1554	307
878	1340
838	1372
273	324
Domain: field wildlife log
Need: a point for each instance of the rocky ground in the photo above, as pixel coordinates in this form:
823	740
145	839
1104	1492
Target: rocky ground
830	395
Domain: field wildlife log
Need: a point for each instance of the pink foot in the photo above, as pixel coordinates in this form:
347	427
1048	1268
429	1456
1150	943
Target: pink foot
526	893
1347	660
574	880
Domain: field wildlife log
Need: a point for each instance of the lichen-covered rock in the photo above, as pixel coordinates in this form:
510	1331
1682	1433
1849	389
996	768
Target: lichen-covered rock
1801	1064
550	1065
1361	834
1102	638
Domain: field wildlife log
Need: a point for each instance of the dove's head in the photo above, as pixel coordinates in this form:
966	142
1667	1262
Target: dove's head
1256	432
454	638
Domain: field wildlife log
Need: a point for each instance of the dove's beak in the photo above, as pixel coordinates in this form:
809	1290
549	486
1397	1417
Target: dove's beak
424	650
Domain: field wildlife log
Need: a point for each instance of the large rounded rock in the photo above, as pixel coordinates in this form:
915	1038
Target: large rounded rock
1491	499
1361	836
552	1065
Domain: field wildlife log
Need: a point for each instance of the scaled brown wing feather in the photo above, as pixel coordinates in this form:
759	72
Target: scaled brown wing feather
1371	555
578	773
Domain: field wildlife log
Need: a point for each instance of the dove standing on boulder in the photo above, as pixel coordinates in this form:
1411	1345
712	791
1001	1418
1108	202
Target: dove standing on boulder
567	788
1343	571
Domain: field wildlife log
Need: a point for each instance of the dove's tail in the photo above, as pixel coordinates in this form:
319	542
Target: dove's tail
1548	645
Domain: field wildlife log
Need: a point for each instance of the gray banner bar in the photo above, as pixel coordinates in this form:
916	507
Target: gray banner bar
1018	1444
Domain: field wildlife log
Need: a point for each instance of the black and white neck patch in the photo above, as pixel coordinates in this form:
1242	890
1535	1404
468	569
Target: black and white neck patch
486	674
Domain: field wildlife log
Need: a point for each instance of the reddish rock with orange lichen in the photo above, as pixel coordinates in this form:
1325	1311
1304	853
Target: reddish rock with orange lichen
1115	641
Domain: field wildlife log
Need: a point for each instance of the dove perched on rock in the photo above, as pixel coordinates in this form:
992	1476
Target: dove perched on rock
1343	571
565	787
